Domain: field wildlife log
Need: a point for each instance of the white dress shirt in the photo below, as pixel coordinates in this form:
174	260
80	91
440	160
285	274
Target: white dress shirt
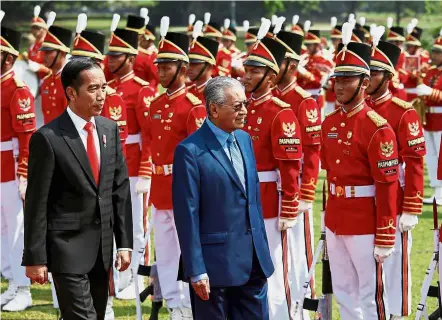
79	124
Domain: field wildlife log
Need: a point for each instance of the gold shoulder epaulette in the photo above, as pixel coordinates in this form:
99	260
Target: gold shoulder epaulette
141	81
332	113
401	103
280	103
304	94
157	97
376	118
194	100
48	75
432	67
193	85
227	51
110	90
19	83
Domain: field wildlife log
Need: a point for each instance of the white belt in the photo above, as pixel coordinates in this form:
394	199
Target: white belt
313	91
436	109
268	176
352	191
133	138
163	170
6	145
411	90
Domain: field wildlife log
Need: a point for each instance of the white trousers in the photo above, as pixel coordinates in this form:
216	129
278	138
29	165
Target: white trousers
432	143
5	266
358	280
398	275
167	252
12	221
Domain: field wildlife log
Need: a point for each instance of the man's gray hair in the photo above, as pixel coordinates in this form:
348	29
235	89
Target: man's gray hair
215	90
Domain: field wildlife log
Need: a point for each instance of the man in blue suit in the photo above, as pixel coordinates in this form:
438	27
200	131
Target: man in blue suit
218	216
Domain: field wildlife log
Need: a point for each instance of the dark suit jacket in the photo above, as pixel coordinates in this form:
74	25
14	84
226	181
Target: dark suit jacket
219	224
67	216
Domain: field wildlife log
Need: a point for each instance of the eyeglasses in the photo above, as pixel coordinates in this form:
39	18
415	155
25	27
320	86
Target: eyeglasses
237	107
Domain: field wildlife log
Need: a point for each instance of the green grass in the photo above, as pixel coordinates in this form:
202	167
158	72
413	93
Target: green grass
125	310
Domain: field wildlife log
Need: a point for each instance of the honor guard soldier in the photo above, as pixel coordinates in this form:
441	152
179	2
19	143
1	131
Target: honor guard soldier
189	32
416	60
431	93
405	122
55	47
202	55
396	36
228	41
309	117
144	66
122	51
212	30
18	123
39	29
276	137
250	38
169	119
336	39
359	152
317	69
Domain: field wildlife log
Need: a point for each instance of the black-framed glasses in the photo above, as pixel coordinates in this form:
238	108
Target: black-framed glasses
237	107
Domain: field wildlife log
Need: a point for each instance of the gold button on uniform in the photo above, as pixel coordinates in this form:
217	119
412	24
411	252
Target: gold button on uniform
159	137
48	112
249	127
158	154
342	124
166	106
339	141
338	161
252	112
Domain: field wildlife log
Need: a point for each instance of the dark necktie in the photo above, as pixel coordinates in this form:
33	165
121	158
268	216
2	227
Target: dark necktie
236	158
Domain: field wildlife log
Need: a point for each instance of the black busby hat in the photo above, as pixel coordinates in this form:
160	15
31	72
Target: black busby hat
384	57
358	34
267	52
414	37
312	36
396	34
336	32
57	38
135	23
150	32
123	41
213	30
10	40
250	36
292	42
89	44
203	50
173	47
352	59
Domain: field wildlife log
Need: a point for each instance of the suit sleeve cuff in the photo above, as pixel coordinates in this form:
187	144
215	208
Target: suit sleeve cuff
124	249
199	277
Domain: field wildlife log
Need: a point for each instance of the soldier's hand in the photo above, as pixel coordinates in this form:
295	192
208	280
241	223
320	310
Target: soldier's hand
37	274
381	253
22	185
423	90
407	222
284	224
202	288
122	261
143	185
304	206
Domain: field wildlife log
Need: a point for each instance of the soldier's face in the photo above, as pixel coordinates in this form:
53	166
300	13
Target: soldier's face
253	76
48	57
345	88
411	49
89	95
436	57
375	80
195	69
399	44
38	32
231	115
336	43
166	72
312	48
227	43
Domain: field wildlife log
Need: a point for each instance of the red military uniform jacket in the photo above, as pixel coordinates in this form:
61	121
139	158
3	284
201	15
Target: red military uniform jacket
400	78
18	123
439	164
360	154
168	120
276	136
53	98
145	68
198	91
415	64
37	56
309	117
115	109
105	65
223	63
411	145
433	102
129	87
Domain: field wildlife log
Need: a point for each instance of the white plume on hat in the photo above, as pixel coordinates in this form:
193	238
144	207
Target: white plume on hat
265	26
143	14
307	25
351	17
51	18
372	27
81	23
333	22
197	30
440	32
377	35
414	21
295	19
2	14
410	28
192	19
274	18
362	21
146	20
226	24
37	10
347	31
246	25
278	25
164	26
207	16
389	22
115	21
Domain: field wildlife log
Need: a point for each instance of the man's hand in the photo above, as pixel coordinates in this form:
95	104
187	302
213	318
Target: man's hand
143	185
407	222
37	274
22	185
381	253
304	206
202	288
122	261
284	224
423	90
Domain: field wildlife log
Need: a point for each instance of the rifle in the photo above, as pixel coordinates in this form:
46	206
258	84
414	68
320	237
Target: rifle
427	289
323	305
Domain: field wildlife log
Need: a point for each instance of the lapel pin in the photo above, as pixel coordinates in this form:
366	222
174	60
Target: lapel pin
104	140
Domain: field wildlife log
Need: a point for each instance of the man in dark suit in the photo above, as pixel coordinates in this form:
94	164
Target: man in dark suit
218	213
77	198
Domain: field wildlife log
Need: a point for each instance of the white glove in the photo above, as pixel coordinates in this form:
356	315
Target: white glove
304	206
301	69
33	66
143	185
407	222
22	185
381	253
423	90
285	224
236	63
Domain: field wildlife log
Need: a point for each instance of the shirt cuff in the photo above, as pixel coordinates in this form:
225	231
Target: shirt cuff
199	277
124	249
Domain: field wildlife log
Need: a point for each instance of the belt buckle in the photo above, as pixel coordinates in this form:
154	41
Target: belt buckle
159	170
339	191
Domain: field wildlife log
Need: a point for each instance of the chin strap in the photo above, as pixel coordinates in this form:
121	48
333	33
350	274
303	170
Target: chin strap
201	72
121	65
4	60
55	59
361	78
261	81
285	72
384	78
180	63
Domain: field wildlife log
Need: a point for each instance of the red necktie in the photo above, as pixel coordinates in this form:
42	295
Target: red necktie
91	151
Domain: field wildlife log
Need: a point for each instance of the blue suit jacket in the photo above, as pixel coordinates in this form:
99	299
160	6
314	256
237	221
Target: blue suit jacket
219	224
